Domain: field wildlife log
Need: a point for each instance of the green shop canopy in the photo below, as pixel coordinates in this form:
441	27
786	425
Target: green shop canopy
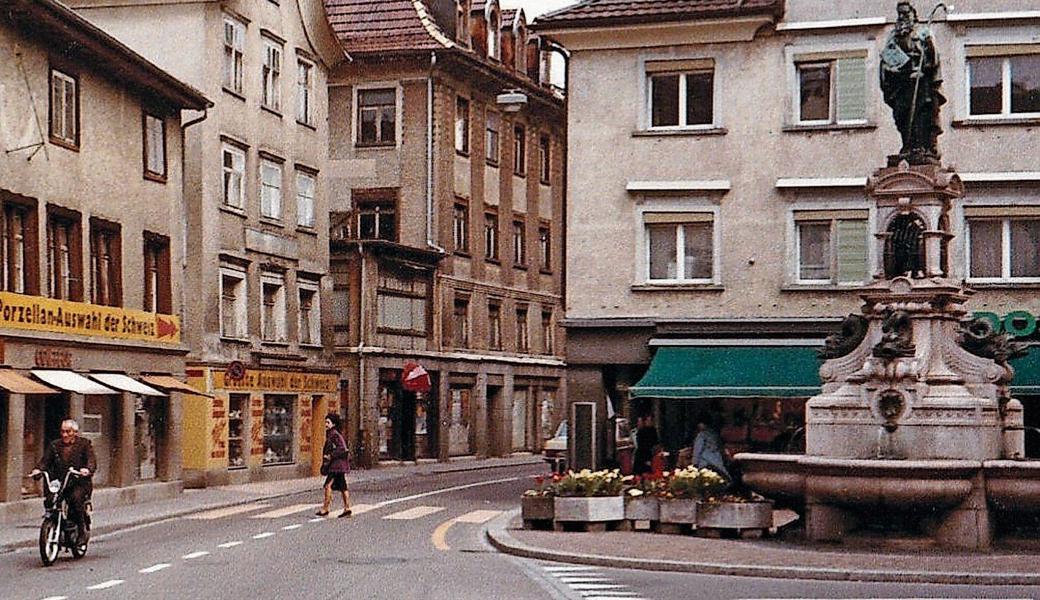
1027	373
730	372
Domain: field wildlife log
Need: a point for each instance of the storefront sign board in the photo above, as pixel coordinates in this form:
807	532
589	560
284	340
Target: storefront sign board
275	381
19	311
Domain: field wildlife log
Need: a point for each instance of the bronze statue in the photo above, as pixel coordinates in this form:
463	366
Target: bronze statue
910	82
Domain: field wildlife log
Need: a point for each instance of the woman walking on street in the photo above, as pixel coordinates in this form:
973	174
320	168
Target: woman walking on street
335	465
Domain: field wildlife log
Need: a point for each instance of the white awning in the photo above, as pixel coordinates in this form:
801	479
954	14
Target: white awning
72	382
126	384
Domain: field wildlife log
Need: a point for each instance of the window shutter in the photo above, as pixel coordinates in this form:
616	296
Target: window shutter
852	89
852	251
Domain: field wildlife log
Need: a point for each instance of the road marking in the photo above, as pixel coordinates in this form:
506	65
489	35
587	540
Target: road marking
155	568
111	583
613	596
317	519
583	579
285	511
358	509
446	490
263	535
440	534
229	544
220	513
415	512
192	555
565	569
56	598
291	527
478	516
595	586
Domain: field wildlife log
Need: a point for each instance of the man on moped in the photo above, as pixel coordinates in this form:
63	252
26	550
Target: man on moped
77	453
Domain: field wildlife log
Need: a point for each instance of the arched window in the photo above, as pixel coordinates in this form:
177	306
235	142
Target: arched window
521	48
494	36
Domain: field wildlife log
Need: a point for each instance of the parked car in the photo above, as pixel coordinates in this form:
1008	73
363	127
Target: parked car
554	451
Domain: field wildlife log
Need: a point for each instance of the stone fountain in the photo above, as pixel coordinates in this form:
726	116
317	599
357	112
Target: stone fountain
915	424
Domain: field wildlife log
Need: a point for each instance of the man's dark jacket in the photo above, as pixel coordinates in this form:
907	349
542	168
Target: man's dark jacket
81	455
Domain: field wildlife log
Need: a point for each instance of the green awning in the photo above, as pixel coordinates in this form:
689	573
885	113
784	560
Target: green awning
731	372
1027	373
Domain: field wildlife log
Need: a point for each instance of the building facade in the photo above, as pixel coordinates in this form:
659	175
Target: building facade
92	226
718	227
447	230
257	226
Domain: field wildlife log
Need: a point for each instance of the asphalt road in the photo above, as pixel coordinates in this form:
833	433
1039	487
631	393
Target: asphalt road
418	538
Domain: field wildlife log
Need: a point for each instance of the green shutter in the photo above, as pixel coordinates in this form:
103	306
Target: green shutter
852	89
852	251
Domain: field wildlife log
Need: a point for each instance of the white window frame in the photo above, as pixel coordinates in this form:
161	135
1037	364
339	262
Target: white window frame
973	52
280	312
234	54
1005	246
493	17
796	242
270	194
648	85
313	288
154	145
304	91
61	128
271	74
236	152
305	202
356	108
696	215
795	55
241	303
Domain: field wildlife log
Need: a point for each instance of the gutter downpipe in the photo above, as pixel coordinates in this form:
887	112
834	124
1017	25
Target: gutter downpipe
184	211
369	460
429	156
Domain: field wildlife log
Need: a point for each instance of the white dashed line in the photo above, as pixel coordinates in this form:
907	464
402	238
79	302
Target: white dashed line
56	598
588	587
229	544
198	554
155	568
317	520
111	583
291	527
263	535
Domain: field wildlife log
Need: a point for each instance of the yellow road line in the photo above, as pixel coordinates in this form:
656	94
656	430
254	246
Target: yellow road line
439	535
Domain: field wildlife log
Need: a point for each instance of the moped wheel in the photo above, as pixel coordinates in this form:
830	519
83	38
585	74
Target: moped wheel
79	547
49	543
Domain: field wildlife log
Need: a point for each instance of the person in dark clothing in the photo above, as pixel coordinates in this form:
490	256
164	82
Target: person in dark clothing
75	452
646	442
335	465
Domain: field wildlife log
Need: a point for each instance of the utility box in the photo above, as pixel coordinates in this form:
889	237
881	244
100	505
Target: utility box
583	436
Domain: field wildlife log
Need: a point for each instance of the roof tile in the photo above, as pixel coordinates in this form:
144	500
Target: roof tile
604	12
378	25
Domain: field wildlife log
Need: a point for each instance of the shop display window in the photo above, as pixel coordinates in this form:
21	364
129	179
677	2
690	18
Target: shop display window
237	408
278	429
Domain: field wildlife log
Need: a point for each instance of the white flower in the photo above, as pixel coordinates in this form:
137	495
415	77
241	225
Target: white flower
635	492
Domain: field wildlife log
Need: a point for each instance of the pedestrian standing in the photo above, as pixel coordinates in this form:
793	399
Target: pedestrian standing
646	443
335	465
708	451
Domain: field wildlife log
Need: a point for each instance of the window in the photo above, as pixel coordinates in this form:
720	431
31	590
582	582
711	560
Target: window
238	409
523	341
1004	85
1002	249
64	109
272	309
832	247
233	308
270	189
545	248
105	263
519	243
519	150
494	325
270	75
494	34
401	301
18	248
680	247
491	236
832	91
234	167
305	199
547	332
460	322
681	98
278	429
234	46
154	147
377	117
340	306
304	92
376	214
460	227
64	255
310	314
462	22
544	160
521	50
157	295
462	125
491	149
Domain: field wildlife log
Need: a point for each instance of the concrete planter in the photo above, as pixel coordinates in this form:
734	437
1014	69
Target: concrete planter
536	508
680	511
642	508
735	515
589	510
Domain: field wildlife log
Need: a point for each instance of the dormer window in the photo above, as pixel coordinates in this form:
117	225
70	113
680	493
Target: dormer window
494	36
521	49
462	22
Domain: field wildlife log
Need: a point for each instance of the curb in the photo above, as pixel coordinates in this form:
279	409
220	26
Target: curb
500	538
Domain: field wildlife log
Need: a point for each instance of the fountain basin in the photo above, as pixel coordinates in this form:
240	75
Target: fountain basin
1013	485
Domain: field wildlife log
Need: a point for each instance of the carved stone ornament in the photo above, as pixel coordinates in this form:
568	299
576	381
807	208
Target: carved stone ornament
853	330
979	337
896	336
891	406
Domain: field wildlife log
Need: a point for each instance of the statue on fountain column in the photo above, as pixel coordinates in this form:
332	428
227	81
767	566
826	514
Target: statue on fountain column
910	82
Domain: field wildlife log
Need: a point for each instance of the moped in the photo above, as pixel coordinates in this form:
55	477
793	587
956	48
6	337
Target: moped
57	532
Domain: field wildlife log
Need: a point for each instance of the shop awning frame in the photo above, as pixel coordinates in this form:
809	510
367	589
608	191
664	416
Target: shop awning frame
731	371
169	383
72	382
124	383
16	383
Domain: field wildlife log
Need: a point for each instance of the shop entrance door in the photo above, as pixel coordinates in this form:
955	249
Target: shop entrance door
404	432
519	437
42	425
459	430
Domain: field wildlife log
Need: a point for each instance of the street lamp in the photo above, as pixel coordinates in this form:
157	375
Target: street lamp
512	100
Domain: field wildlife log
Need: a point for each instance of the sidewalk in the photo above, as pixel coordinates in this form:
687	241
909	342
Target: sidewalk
25	533
762	558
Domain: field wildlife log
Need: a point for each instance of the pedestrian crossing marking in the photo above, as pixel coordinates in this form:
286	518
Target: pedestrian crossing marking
285	511
357	509
414	513
478	516
583	579
569	568
220	513
192	555
261	536
291	527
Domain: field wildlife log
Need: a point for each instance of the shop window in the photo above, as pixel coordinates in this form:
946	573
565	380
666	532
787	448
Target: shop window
460	323
64	252
234	48
462	125
682	94
310	315
491	139
831	91
157	294
149	425
519	150
1003	249
544	159
377	117
106	263
547	332
460	227
680	247
523	337
1004	85
376	212
270	189
272	310
494	323
519	243
545	248
233	309
832	247
278	429
305	183
238	407
491	236
18	248
154	147
271	75
64	113
234	168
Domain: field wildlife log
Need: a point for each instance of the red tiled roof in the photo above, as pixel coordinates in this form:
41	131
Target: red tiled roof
378	25
606	12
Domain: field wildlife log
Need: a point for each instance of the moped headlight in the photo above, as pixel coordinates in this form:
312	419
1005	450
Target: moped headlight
54	486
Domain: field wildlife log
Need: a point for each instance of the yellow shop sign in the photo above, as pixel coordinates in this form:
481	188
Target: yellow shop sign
18	311
277	381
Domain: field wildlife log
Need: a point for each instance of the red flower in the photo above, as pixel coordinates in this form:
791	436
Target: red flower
539	480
